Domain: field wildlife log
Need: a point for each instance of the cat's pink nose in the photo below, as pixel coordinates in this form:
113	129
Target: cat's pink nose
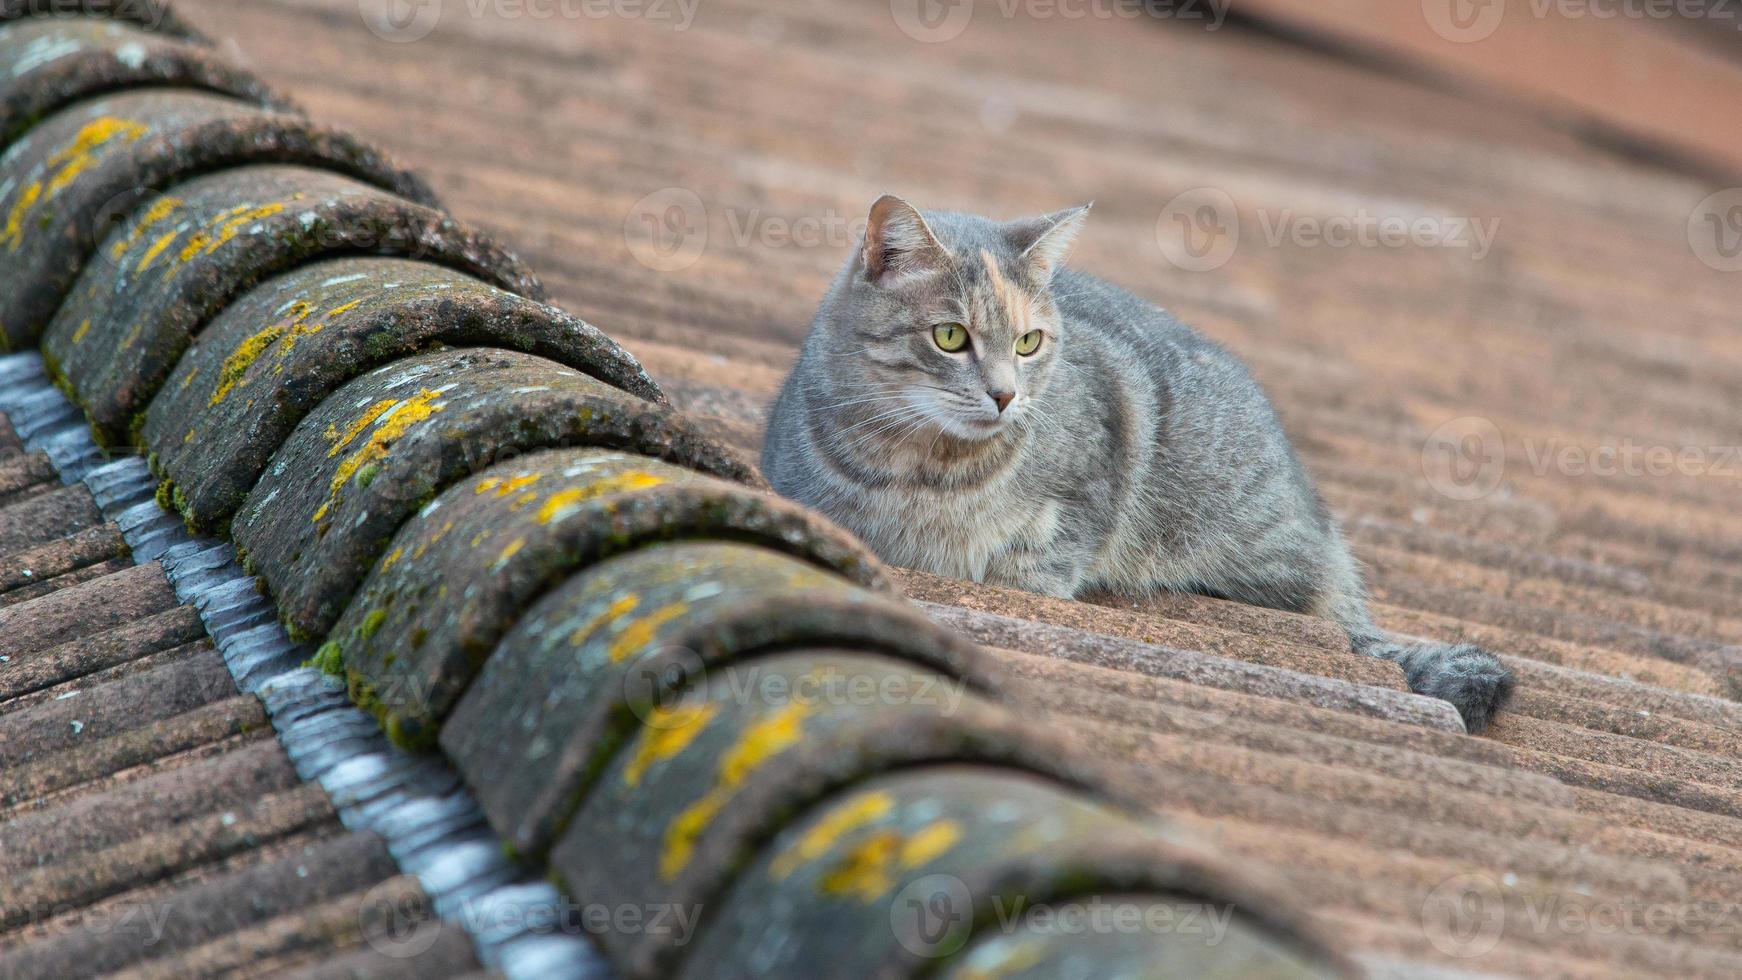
1003	398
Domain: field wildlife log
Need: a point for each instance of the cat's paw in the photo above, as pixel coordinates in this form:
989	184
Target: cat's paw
1472	679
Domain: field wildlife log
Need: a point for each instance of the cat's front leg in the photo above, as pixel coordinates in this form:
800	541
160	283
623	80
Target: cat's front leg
1032	570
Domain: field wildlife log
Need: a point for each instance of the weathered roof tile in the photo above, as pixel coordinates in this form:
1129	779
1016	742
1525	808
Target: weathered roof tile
412	645
560	692
390	442
272	356
85	609
71	59
171	266
80	174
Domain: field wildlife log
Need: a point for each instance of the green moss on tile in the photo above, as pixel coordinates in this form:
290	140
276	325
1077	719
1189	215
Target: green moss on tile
371	623
329	659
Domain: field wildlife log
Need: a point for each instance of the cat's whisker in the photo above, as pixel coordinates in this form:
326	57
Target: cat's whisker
887	420
867	398
902	427
898	410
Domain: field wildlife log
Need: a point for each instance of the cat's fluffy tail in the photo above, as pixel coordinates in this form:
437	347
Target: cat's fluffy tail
1471	678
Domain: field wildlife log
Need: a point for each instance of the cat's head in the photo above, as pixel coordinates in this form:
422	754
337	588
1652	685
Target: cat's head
951	315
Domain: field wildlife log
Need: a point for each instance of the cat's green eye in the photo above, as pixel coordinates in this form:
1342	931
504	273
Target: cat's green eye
1028	343
950	337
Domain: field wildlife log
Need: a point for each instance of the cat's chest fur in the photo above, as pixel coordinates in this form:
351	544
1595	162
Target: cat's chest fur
958	533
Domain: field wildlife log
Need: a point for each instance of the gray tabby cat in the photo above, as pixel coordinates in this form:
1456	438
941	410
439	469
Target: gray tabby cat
969	407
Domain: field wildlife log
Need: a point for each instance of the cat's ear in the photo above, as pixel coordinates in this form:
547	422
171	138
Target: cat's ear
1046	241
898	242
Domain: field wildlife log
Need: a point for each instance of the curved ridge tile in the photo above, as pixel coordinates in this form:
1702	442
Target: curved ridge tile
86	170
53	62
153	15
710	776
915	873
273	355
713	774
413	644
386	444
174	265
555	698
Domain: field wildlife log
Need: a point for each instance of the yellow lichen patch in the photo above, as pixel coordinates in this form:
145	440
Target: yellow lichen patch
393	559
929	842
668	732
95	134
158	211
364	421
503	488
510	551
395	419
867	870
241	359
641	632
294	317
341	310
837	823
762	741
197	241
84	328
296	333
623	606
163	241
224	226
12	235
418	552
685	829
68	163
561	503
